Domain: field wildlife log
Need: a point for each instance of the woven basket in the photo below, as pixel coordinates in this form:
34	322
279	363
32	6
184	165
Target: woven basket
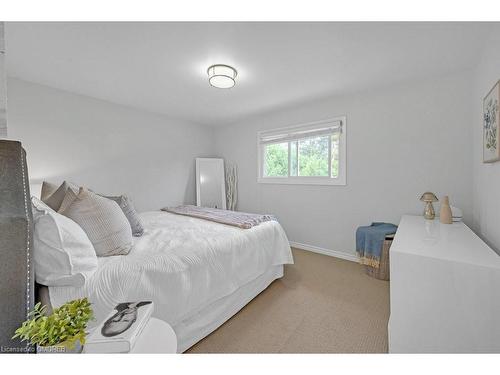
382	272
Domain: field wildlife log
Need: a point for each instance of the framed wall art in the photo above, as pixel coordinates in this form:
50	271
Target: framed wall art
491	125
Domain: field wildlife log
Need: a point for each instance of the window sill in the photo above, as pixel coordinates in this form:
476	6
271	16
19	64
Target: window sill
301	181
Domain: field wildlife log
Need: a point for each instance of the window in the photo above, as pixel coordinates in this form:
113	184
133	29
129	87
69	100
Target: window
307	154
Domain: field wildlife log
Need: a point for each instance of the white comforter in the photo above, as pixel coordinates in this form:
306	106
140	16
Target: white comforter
183	264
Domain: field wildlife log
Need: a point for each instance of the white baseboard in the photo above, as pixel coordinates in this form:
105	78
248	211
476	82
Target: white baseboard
321	250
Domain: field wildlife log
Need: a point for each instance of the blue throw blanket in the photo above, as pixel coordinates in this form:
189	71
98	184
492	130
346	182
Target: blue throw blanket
369	242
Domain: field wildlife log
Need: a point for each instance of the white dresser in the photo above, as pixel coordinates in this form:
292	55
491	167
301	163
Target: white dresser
445	290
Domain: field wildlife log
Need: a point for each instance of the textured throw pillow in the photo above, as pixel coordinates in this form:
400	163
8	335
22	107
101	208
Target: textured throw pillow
48	189
55	199
62	252
128	209
102	220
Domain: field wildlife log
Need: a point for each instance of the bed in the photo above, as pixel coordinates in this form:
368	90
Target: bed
197	272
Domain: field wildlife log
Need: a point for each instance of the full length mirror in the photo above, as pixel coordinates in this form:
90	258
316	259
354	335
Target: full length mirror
210	185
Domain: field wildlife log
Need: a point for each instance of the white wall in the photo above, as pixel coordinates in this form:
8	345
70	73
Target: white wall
486	176
401	142
110	148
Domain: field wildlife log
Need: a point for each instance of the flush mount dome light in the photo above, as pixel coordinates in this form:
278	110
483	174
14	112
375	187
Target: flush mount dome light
222	76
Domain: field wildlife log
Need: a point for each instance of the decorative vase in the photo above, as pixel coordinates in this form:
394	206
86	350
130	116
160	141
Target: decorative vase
445	216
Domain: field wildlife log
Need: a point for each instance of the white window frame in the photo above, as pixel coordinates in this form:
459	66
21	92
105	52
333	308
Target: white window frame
305	180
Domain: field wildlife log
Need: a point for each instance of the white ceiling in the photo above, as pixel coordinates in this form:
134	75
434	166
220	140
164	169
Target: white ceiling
161	67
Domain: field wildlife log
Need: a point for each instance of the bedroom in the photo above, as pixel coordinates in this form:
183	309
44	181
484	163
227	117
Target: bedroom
228	172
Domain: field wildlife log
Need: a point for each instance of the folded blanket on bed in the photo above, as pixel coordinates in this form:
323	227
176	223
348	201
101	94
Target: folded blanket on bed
369	242
237	219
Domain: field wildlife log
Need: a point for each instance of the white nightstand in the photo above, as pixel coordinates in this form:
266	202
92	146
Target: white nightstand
157	337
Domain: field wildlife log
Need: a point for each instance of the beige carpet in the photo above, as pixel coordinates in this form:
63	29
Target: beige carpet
321	305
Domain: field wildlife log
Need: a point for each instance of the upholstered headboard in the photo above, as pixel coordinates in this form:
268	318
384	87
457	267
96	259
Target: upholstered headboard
16	238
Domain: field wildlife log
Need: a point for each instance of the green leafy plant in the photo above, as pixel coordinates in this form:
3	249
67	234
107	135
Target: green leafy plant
65	326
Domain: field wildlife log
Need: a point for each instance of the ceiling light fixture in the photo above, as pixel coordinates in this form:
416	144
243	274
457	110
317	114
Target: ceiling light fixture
222	76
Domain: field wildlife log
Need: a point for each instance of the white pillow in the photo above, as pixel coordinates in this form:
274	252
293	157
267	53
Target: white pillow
39	208
63	254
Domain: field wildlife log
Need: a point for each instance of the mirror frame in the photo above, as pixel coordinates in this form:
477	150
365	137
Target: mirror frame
223	180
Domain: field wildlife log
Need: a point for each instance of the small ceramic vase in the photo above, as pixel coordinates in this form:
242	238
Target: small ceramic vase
445	216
